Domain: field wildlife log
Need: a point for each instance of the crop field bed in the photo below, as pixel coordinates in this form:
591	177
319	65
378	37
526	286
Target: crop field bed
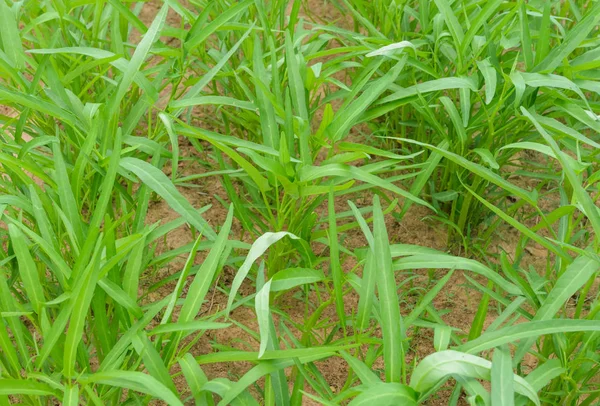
286	202
460	302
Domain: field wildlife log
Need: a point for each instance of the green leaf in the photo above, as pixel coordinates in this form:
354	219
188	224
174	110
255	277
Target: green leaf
198	33
546	150
119	296
100	55
79	304
425	175
136	381
530	329
206	78
521	227
11	40
102	205
168	123
25	387
391	49
8	348
367	291
71	396
196	379
446	196
456	121
574	38
479	170
386	394
27	269
335	268
431	86
526	45
65	194
487	157
191	326
134	268
216	100
139	56
543	42
297	90
263	316
556	125
221	386
204	277
454	26
291	277
38	104
156	180
153	362
393	355
260	181
288	354
503	392
263	368
542	375
111	360
427	299
552	81
440	366
570	282
364	373
309	173
55	256
41	217
187	267
589	207
349	116
259	247
441	337
475	25
441	261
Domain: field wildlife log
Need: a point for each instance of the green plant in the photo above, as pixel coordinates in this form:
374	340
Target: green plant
471	66
482	112
277	166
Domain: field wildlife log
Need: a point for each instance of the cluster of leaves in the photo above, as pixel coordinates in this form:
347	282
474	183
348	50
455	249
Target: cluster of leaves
472	68
99	104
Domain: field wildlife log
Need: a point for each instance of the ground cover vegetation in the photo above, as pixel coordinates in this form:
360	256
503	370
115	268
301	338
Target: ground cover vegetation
177	173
